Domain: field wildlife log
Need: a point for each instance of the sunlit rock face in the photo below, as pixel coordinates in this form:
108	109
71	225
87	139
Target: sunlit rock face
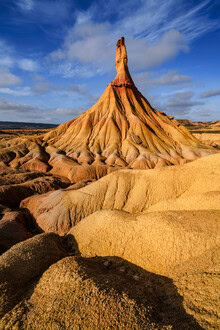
121	130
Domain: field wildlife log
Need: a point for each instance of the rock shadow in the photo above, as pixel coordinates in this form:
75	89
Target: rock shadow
145	288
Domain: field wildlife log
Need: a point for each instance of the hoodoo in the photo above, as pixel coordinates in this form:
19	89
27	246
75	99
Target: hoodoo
121	130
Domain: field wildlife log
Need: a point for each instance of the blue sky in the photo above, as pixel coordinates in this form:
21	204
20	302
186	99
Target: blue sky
57	56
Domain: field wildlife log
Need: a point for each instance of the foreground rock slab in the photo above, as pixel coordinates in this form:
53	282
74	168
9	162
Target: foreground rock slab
80	292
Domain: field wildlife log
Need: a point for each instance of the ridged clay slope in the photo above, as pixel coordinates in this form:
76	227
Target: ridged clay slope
122	129
193	186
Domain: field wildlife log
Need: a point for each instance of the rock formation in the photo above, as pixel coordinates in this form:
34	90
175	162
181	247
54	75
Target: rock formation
165	221
139	249
85	293
121	130
192	186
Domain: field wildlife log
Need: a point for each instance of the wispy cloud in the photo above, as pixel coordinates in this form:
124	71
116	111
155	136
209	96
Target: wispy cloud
73	112
28	64
24	112
8	79
25	4
171	78
24	91
155	32
9	59
181	104
7	105
210	93
44	11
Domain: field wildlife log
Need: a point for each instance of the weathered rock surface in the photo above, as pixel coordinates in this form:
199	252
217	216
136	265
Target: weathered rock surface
184	246
157	229
121	130
193	186
87	293
13	229
23	263
15	185
155	241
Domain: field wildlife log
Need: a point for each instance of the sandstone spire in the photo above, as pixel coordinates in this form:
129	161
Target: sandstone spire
123	77
121	130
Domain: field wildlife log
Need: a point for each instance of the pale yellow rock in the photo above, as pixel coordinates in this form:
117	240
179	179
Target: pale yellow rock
193	186
156	241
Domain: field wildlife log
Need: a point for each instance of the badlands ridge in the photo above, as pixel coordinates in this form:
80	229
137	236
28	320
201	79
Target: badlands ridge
138	248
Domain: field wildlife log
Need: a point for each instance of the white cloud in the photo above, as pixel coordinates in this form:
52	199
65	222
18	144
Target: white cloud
155	32
26	5
6	105
8	79
181	104
210	93
70	69
92	48
9	58
28	65
6	61
14	111
170	78
182	95
5	57
78	89
25	91
143	55
69	111
41	85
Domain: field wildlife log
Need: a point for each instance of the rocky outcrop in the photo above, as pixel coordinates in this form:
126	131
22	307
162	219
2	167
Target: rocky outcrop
13	229
78	292
12	194
193	186
23	263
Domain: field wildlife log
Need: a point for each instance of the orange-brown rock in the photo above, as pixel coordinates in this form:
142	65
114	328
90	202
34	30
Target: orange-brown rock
121	130
15	185
13	229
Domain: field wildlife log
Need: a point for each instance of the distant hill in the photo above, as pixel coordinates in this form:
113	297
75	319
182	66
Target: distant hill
21	125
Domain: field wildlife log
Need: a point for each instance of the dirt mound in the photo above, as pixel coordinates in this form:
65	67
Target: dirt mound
17	184
132	191
22	263
13	229
87	293
209	138
155	241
